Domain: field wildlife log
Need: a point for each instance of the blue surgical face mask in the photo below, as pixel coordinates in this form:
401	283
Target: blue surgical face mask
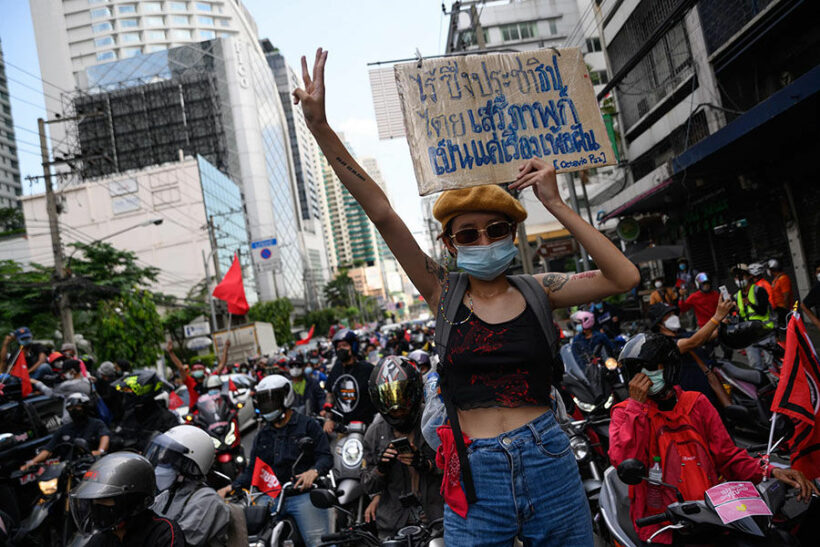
213	392
656	376
579	328
166	476
486	262
682	267
308	371
599	306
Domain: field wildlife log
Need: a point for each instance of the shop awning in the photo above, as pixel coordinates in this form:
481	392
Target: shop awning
652	192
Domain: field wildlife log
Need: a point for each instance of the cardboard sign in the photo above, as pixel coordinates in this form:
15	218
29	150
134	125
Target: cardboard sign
474	120
736	500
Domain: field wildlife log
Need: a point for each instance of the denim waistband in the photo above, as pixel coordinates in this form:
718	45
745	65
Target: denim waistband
532	430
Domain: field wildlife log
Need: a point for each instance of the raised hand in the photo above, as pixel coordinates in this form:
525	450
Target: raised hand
541	176
639	387
312	96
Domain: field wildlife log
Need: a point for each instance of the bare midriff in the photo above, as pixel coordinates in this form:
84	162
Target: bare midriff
485	423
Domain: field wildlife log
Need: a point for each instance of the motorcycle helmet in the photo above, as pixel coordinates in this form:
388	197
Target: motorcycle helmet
397	390
584	318
421	359
649	350
774	264
117	487
744	334
213	382
273	395
348	336
702	279
757	269
78	406
107	370
185	449
144	385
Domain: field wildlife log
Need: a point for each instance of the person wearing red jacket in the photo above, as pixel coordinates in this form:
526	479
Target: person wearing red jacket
651	361
704	301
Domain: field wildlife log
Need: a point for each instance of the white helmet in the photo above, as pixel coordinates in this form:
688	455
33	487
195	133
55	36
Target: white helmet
186	448
213	381
272	396
756	269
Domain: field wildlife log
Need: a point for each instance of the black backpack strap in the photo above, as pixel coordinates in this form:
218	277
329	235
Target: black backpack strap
539	302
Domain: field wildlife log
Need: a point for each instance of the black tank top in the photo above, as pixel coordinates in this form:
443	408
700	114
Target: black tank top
505	364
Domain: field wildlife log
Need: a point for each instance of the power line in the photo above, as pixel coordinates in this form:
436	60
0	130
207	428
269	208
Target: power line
35	89
33	75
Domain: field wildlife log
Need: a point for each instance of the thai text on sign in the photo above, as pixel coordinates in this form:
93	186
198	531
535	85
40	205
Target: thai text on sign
473	120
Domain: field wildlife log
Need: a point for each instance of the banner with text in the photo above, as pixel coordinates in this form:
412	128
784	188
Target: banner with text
473	120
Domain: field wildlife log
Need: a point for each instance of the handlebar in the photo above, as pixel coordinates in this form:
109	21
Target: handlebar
335	537
653	519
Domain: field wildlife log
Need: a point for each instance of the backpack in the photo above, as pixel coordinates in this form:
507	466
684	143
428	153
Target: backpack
685	458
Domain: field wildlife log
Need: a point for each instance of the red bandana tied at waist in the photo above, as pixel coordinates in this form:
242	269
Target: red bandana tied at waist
447	461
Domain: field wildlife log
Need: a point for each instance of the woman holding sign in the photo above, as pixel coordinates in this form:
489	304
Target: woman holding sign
519	475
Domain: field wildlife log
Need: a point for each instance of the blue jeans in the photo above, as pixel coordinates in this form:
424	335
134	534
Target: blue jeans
313	522
527	485
40	371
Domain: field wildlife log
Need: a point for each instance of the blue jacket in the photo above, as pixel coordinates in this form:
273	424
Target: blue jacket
277	448
583	348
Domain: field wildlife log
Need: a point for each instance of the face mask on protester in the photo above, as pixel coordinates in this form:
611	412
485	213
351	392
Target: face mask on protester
486	262
658	284
77	414
295	371
672	323
742	283
213	392
656	377
343	354
308	371
599	306
682	267
166	477
373	357
579	327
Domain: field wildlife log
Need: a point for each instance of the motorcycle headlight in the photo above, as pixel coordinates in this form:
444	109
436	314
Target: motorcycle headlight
48	487
609	402
231	436
585	407
352	452
611	363
580	448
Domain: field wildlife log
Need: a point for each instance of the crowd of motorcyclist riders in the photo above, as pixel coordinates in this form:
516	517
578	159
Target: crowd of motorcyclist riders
151	480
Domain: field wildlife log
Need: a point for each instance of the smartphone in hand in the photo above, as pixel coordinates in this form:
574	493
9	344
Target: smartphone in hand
724	293
402	445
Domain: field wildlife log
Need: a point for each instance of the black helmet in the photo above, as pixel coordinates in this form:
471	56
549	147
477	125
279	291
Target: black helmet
397	391
648	350
420	358
124	478
744	334
78	406
144	384
348	336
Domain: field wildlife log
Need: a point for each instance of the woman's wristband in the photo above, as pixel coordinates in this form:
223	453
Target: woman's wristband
715	321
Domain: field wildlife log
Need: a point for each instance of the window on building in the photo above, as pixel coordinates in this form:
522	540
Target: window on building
151	7
97	1
154	47
104	41
130	51
598	77
100	12
129	23
518	31
129	37
180	19
177	6
152	21
205	20
225	22
207	34
225	35
593	44
553	24
101	27
106	56
155	35
179	34
204	6
468	38
127	8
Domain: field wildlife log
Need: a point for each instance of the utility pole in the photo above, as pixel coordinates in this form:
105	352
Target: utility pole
477	29
574	199
214	326
215	252
66	318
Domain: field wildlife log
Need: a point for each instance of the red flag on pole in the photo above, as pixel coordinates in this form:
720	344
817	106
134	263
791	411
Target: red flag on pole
305	340
20	369
798	397
265	479
232	290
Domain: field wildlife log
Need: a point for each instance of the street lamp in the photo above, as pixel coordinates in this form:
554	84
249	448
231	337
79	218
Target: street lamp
154	221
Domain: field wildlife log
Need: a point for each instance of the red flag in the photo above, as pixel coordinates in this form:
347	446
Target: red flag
232	290
307	339
265	479
798	397
174	401
193	394
20	369
231	385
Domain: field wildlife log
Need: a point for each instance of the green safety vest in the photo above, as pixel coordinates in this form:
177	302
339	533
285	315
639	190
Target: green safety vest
750	315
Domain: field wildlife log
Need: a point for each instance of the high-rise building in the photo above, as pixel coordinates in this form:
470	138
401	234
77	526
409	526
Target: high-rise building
10	186
307	175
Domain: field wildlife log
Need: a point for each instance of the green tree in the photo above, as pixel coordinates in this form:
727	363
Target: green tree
26	298
11	221
323	319
338	291
129	327
276	312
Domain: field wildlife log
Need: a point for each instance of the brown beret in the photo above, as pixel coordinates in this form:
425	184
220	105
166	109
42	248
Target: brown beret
489	198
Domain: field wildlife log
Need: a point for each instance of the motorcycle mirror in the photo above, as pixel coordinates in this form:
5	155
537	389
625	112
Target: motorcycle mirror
79	442
744	334
306	444
737	413
632	471
783	427
323	498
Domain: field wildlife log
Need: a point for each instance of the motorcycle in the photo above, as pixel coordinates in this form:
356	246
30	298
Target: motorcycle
347	449
215	416
50	520
417	534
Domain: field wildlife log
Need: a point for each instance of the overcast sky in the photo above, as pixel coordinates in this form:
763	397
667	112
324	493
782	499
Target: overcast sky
356	32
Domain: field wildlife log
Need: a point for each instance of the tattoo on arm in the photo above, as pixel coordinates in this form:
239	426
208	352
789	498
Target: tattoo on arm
351	169
435	268
555	281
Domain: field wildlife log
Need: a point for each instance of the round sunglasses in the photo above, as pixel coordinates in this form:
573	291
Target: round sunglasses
494	231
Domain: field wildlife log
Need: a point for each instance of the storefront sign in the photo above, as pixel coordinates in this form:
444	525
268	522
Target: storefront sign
474	120
556	248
